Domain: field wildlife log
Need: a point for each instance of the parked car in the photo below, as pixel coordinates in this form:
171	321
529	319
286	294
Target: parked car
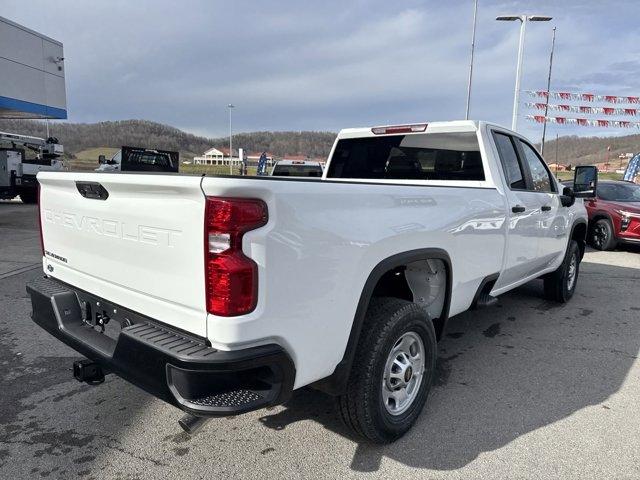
196	288
297	168
614	214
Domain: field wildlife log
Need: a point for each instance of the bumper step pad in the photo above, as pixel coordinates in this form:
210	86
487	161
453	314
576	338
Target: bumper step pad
237	398
170	342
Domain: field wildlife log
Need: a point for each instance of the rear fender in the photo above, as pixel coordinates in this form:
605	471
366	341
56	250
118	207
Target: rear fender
336	383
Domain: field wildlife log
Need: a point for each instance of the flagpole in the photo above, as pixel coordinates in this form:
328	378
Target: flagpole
546	106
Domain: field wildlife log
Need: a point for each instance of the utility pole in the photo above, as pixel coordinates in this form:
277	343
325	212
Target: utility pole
473	46
230	106
556	154
546	105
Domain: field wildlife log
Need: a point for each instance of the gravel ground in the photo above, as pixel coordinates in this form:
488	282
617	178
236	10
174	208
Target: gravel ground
527	389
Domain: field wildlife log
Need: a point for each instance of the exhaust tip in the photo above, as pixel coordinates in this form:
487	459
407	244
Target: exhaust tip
192	424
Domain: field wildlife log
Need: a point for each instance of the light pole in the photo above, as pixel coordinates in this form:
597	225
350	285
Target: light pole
523	26
546	104
230	106
473	46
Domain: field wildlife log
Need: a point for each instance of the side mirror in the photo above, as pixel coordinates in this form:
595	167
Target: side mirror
567	198
102	159
585	181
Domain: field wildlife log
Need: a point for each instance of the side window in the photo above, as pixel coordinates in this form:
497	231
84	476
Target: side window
509	159
539	174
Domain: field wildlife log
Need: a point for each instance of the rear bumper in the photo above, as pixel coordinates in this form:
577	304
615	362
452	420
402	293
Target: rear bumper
172	365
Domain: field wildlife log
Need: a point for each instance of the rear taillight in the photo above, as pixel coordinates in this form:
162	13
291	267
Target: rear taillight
231	277
40	222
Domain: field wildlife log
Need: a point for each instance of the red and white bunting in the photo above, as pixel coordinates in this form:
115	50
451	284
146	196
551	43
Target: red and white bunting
585	97
629	112
585	122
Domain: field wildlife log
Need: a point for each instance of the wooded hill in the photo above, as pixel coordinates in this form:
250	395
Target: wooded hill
574	150
78	137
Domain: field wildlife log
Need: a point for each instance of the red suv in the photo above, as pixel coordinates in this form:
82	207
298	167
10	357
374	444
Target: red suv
614	214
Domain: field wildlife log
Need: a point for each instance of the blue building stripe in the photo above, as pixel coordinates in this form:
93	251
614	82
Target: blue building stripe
30	107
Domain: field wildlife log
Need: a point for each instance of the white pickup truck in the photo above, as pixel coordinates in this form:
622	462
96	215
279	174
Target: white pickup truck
222	294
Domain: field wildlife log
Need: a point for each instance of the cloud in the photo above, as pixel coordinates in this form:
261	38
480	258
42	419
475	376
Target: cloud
322	65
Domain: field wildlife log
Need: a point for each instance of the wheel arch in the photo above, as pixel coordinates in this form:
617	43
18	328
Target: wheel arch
335	383
579	232
600	215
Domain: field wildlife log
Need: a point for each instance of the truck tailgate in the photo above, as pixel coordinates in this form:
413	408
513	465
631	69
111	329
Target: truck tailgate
141	247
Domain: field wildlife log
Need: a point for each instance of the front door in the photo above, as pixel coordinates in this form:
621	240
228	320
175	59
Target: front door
554	218
524	213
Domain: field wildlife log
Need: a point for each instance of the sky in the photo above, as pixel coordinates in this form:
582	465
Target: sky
301	65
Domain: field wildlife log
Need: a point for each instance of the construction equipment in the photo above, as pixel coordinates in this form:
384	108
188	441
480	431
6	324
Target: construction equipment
21	158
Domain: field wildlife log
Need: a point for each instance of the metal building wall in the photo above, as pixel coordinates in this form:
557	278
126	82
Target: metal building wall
32	83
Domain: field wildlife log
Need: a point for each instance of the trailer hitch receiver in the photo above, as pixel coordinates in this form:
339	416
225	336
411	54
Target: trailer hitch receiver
88	371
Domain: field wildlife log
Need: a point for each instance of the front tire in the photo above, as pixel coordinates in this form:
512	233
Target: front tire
392	371
602	236
560	285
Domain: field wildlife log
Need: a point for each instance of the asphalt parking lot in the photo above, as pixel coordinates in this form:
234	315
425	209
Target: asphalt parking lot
528	389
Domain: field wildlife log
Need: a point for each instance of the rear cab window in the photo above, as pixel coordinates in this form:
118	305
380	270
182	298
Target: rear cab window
293	170
425	156
150	158
137	159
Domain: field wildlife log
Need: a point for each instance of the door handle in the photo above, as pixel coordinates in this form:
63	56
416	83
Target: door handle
545	208
517	209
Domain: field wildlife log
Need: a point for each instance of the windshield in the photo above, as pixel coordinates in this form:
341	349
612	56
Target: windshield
619	192
432	156
297	171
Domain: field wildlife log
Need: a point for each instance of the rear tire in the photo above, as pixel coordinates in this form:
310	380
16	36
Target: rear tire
560	285
392	371
601	236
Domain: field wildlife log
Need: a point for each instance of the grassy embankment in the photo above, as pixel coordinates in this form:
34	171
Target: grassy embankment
87	160
601	175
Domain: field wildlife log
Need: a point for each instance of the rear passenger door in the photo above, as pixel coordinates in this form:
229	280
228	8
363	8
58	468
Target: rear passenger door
525	229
